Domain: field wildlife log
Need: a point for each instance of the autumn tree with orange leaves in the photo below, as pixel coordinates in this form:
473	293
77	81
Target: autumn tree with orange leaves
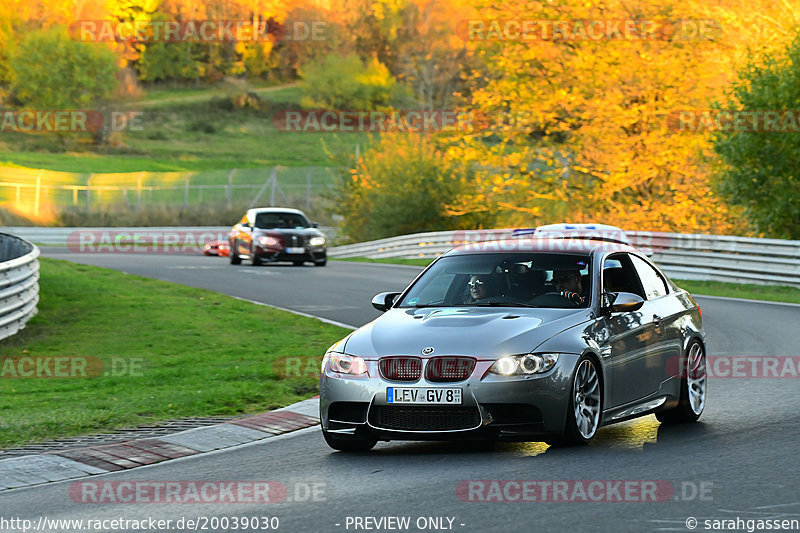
580	125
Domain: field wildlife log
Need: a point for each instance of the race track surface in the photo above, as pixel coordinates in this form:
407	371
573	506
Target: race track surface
741	461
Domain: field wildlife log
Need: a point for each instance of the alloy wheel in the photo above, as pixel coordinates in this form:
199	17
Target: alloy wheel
586	399
696	378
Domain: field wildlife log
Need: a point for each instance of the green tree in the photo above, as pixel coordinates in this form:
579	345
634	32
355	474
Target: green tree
51	71
170	61
761	169
345	82
404	184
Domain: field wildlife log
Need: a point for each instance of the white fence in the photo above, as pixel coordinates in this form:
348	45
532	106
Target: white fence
683	256
19	283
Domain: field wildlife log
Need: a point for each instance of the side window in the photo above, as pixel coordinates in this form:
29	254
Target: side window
619	275
654	285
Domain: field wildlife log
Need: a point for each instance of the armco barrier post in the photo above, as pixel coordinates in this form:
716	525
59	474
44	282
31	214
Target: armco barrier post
19	283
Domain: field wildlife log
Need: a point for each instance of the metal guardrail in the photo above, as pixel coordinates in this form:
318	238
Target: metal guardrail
19	283
682	256
58	236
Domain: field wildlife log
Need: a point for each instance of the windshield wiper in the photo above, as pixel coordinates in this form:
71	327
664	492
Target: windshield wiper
501	304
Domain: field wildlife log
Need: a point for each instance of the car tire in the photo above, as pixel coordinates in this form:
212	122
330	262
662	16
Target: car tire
585	405
348	444
234	257
321	263
694	382
254	259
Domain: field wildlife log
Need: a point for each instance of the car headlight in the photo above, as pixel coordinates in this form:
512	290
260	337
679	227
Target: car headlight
316	241
532	363
266	240
344	364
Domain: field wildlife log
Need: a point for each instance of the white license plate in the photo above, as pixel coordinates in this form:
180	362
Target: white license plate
291	250
423	395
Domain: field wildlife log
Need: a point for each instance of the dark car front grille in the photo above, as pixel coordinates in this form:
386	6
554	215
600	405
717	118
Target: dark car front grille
400	368
424	418
294	240
444	369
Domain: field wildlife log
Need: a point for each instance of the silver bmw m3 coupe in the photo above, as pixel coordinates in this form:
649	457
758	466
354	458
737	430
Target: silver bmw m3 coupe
528	339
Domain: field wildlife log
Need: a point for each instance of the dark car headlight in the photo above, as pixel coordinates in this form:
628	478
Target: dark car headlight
532	363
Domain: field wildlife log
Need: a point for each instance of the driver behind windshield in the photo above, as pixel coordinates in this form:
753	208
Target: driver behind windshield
569	285
480	287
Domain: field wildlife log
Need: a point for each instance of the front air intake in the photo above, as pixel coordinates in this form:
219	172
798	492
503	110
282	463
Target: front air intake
445	369
400	368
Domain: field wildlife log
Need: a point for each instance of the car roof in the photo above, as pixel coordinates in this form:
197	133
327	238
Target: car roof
257	210
533	243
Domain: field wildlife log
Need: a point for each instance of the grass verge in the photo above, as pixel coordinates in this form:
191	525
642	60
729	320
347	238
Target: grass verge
772	293
194	352
188	132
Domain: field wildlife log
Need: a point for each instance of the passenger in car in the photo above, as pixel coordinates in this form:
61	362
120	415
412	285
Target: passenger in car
569	285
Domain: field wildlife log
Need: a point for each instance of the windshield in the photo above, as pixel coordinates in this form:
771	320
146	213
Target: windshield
510	279
281	221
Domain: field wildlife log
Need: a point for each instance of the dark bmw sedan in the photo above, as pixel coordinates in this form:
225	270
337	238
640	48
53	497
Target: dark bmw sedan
529	339
268	234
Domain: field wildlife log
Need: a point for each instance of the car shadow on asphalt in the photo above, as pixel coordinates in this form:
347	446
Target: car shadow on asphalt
636	435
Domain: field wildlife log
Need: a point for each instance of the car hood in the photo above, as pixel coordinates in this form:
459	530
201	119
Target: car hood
478	332
308	232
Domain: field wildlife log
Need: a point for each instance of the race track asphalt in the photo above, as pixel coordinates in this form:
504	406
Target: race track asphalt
741	461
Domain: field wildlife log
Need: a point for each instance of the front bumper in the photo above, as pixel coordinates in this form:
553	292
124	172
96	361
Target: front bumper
271	254
500	407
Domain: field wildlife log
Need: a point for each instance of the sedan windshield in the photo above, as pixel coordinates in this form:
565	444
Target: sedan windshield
281	221
504	280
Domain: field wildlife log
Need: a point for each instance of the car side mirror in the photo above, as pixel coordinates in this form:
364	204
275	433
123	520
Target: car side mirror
626	302
315	224
246	225
384	300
